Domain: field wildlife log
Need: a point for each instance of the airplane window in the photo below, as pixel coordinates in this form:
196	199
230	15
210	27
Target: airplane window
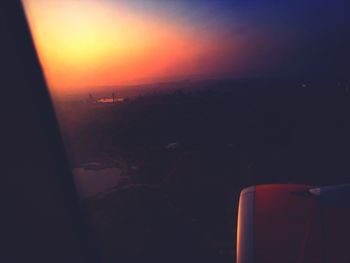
169	108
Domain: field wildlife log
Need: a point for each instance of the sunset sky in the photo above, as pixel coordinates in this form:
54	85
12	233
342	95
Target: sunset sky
95	43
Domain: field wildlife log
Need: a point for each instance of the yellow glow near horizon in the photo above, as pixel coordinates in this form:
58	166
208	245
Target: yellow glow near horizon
93	43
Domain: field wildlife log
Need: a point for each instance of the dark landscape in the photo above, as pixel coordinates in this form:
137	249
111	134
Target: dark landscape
186	152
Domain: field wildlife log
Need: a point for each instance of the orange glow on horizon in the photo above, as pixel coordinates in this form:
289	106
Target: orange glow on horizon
83	44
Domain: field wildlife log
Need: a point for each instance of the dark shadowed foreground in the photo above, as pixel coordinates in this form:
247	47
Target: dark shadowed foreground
184	156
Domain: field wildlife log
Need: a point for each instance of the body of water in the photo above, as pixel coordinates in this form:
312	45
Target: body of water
91	182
